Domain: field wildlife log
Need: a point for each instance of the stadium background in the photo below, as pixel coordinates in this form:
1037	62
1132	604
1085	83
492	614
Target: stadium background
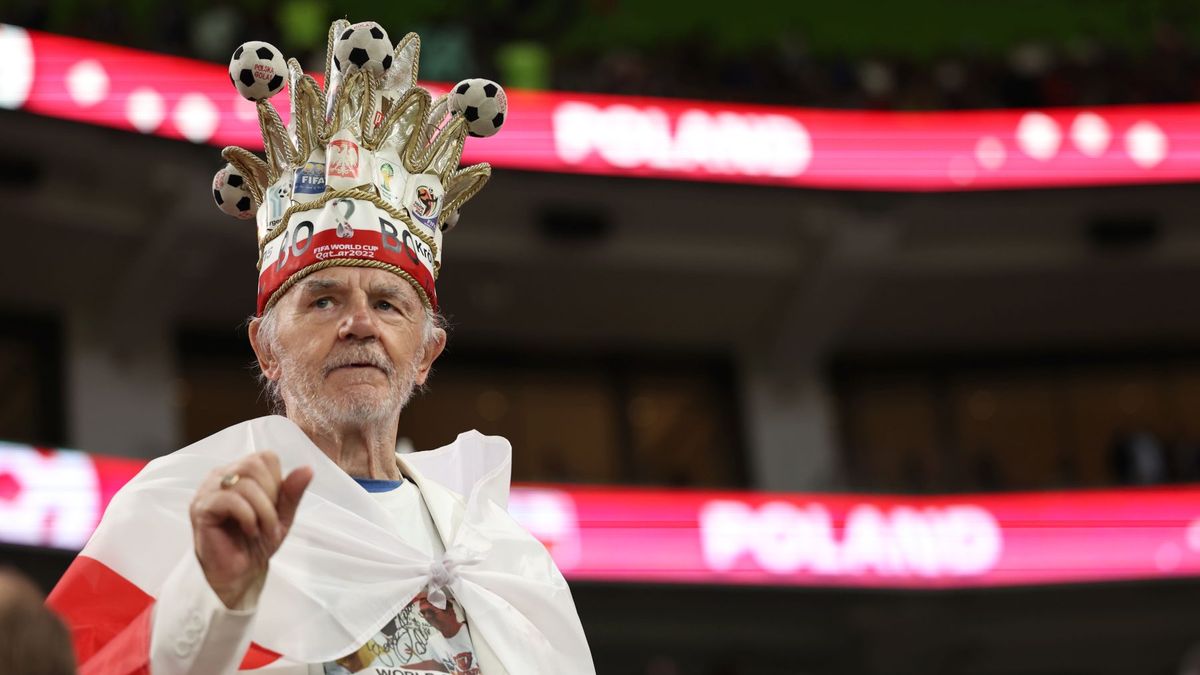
643	331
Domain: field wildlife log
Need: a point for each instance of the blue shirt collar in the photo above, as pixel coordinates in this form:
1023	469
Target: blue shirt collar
379	484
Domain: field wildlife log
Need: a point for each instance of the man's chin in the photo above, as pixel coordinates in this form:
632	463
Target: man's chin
350	399
359	393
353	408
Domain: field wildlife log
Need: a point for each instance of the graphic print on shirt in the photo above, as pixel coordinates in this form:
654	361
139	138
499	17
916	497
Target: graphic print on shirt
421	639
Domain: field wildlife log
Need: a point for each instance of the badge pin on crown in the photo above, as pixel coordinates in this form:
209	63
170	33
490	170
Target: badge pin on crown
372	133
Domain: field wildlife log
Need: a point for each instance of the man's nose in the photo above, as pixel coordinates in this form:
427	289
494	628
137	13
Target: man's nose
358	322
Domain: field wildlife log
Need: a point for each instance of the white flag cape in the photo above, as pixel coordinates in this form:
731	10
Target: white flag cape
342	573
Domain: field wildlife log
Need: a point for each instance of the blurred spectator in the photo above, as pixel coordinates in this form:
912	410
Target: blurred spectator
32	639
1138	458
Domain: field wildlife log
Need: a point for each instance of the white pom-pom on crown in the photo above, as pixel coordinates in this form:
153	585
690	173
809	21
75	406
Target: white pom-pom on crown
482	103
258	70
363	46
231	193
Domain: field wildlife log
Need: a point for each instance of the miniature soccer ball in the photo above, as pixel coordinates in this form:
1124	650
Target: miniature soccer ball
258	70
482	103
231	195
363	46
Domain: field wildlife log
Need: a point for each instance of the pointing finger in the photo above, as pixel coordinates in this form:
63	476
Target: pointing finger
291	492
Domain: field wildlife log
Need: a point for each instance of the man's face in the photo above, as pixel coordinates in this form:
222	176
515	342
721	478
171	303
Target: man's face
443	620
348	346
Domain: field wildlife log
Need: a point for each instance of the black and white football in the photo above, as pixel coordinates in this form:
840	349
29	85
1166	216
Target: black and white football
258	70
231	195
363	46
482	103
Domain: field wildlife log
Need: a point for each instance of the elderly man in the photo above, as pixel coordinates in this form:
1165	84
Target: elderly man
306	544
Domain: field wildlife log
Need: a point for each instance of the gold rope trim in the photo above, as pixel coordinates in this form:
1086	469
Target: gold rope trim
349	91
413	40
462	186
252	167
366	112
278	145
355	193
415	101
308	104
336	28
345	262
446	149
298	136
438	110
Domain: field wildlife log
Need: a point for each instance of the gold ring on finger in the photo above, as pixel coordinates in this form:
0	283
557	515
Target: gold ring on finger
229	480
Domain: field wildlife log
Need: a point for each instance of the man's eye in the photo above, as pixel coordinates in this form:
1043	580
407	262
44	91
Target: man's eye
322	303
385	305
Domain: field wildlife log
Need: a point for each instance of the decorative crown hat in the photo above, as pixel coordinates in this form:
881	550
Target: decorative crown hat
365	173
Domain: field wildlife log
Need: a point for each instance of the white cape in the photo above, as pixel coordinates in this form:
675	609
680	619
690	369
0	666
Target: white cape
341	574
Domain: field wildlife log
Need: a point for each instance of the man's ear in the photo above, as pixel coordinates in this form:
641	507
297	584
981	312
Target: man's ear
267	361
433	349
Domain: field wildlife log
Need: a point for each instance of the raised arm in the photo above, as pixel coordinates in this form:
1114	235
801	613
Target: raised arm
240	516
199	618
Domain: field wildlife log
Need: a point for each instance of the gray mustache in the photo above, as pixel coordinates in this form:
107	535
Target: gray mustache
368	358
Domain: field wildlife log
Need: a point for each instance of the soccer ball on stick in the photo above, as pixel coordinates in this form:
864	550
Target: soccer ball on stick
363	46
231	195
482	103
258	70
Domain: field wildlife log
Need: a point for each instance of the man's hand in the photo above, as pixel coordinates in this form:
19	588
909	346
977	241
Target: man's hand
238	528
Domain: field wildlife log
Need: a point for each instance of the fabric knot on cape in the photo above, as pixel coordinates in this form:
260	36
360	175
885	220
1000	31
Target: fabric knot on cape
443	572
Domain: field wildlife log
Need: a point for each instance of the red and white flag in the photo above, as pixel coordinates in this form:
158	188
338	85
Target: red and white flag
342	572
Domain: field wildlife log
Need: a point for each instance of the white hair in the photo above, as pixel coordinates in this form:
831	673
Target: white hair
268	334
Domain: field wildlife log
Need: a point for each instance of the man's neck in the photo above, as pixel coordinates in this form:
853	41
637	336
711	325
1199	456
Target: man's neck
361	451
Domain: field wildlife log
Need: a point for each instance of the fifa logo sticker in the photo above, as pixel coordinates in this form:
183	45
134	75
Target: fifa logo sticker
342	210
425	203
423	199
310	179
387	173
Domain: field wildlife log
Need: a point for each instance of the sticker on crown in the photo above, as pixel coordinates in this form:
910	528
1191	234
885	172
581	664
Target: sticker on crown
279	198
348	165
310	178
344	158
423	199
343	209
390	178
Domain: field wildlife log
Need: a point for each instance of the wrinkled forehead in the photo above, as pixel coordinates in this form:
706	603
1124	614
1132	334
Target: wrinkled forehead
375	283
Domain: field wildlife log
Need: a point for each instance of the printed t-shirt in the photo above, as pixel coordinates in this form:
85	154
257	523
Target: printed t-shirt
422	638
